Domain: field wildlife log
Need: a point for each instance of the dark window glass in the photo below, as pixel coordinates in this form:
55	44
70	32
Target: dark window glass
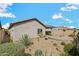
39	31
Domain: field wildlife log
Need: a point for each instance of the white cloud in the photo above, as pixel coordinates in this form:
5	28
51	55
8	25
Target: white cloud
73	7
60	16
5	5
57	16
3	10
76	4
7	15
6	26
63	8
68	20
70	7
71	27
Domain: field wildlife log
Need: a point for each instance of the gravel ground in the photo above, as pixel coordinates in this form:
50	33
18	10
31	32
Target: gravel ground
51	46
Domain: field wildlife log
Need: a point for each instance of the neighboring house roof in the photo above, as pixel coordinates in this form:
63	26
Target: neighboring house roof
24	21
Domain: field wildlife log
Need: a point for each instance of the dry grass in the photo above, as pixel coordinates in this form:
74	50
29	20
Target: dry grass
52	45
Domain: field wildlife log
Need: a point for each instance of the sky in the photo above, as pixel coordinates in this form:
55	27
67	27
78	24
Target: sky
55	14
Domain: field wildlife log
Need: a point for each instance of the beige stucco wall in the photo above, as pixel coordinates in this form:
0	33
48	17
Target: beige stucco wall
29	28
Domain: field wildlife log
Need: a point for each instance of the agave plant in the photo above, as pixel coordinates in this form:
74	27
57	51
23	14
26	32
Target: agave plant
25	40
38	52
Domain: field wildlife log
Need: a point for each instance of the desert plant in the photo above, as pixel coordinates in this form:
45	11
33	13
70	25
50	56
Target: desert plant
55	44
68	47
46	38
11	49
25	40
71	50
71	35
74	52
64	30
62	43
38	52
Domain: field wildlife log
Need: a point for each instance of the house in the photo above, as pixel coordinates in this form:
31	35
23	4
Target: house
32	27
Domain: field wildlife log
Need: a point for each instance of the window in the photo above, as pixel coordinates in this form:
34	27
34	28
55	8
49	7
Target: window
39	31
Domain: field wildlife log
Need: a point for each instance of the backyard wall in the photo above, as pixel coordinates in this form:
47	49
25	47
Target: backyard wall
4	36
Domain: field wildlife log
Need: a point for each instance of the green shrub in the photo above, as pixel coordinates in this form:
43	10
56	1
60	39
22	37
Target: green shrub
62	43
74	52
71	50
25	40
11	49
64	30
38	52
67	48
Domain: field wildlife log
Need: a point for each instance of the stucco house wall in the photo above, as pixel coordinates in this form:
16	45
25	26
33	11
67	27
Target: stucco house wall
30	28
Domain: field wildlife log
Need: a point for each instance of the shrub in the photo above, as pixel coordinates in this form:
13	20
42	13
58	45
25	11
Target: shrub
71	35
11	49
67	47
64	30
46	38
55	44
74	52
62	43
70	49
38	52
57	49
25	40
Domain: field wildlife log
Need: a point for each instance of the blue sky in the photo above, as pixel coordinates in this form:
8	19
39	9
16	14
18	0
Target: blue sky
56	14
